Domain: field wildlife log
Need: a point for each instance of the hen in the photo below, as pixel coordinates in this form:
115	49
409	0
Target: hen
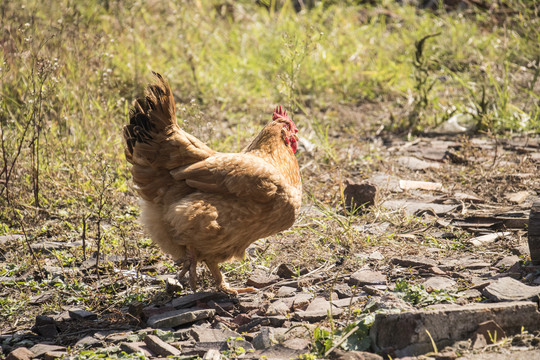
200	205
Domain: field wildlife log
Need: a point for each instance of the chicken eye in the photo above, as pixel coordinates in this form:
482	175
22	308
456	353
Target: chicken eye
287	125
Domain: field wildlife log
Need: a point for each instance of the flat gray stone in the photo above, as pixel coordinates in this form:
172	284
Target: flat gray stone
191	300
87	341
414	262
389	301
370	229
447	324
160	347
40	349
367	277
414	207
274	321
320	304
80	314
509	289
507	262
285	291
212	354
376	255
471	294
439	283
152	310
301	301
343	303
135	348
316	316
297	344
179	317
41	298
264	339
414	163
212	335
247	305
386	181
21	353
473	264
113	337
260	279
279	307
343	291
517	197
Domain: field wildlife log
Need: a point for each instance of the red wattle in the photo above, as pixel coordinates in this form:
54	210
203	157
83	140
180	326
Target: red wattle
294	145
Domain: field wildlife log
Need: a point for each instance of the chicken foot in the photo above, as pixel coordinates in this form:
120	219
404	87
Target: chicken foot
222	284
189	263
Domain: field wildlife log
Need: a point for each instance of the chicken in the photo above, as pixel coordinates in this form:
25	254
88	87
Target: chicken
200	205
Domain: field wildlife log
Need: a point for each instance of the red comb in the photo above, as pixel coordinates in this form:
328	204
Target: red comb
281	113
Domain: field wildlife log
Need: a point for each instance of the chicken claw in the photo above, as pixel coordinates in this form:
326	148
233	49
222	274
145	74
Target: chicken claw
185	267
189	264
222	284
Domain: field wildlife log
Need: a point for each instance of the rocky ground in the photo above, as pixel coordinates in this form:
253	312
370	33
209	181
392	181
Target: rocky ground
428	295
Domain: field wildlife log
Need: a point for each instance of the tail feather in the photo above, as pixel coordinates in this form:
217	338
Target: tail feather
155	144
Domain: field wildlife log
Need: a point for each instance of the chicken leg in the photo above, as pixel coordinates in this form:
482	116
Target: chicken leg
222	284
189	263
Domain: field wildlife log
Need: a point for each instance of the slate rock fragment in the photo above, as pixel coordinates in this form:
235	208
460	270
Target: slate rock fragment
160	347
491	331
191	300
260	279
209	335
509	289
438	283
21	353
80	314
40	349
367	277
358	195
179	317
45	326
